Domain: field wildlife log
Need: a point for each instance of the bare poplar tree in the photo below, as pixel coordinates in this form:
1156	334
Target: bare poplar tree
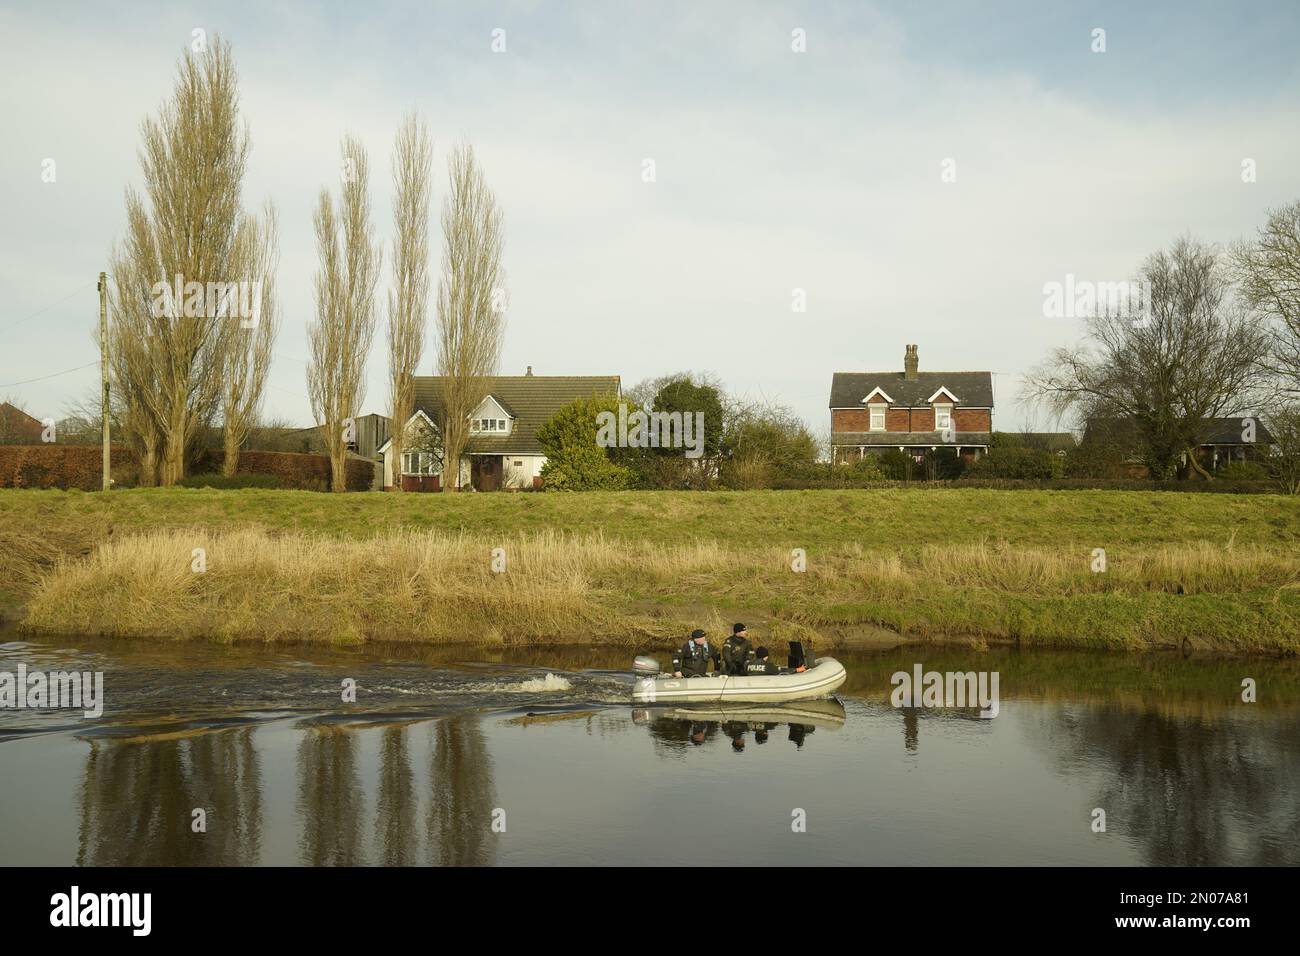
408	303
471	309
193	157
248	357
1269	272
344	327
1193	356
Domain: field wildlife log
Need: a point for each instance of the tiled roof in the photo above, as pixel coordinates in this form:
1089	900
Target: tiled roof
1227	431
1219	431
848	389
895	439
531	399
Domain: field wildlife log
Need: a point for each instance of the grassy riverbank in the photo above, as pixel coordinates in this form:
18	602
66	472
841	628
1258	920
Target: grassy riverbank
640	567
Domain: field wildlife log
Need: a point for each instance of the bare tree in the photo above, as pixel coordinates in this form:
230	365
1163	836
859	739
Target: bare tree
248	357
408	303
1285	427
1190	358
179	261
1269	272
471	319
344	327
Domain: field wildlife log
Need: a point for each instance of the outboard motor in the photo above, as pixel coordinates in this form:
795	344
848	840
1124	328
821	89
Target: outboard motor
800	659
644	666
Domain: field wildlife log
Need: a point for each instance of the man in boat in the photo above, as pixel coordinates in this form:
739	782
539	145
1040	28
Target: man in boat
693	659
761	664
737	651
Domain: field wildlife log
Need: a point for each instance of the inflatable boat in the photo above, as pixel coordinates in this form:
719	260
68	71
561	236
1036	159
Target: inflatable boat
820	680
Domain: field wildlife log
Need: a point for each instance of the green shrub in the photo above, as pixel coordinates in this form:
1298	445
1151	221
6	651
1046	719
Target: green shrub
1010	461
1242	471
897	465
942	464
867	468
575	460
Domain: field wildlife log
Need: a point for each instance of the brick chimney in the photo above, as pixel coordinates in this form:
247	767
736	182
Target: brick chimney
530	370
910	362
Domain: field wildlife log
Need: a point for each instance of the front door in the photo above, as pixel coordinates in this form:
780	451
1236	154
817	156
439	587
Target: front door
486	472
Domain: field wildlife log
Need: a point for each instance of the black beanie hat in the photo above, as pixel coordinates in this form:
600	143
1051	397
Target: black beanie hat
761	652
696	633
737	629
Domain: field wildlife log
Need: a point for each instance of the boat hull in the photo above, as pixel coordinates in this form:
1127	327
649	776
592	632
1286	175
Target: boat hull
820	680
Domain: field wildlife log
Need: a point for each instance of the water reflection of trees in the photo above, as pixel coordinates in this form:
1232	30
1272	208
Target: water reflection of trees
458	817
1188	791
138	797
330	799
461	794
395	805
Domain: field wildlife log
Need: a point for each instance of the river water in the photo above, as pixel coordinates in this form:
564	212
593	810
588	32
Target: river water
210	754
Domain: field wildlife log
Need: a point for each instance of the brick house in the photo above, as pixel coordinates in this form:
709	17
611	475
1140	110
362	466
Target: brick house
503	451
17	427
910	410
1239	438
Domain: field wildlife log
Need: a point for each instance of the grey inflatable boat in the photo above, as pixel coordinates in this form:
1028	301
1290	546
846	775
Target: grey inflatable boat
820	680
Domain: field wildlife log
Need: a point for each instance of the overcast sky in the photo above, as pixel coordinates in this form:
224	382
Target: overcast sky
775	170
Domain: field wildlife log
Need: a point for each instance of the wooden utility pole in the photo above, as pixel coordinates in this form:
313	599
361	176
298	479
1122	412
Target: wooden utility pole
103	367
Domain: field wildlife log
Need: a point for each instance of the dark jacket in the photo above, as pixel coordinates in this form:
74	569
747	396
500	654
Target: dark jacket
736	654
765	666
693	660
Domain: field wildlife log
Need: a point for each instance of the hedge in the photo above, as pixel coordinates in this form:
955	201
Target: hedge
304	472
78	466
60	466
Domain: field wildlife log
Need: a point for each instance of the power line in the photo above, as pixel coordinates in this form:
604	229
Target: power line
51	375
40	312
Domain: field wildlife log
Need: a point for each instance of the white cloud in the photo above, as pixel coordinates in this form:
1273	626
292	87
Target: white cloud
775	170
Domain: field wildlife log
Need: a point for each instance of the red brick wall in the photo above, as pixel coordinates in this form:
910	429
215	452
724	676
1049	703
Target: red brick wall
896	420
850	420
973	419
910	420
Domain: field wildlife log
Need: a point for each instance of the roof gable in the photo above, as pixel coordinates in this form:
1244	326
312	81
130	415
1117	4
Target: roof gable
975	388
529	399
485	407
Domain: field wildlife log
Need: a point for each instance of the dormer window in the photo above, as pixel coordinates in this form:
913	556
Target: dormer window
877	418
498	425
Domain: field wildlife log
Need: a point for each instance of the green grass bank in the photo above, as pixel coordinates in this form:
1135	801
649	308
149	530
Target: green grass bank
1215	572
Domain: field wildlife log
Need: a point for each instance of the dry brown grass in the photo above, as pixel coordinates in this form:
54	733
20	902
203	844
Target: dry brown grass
438	587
